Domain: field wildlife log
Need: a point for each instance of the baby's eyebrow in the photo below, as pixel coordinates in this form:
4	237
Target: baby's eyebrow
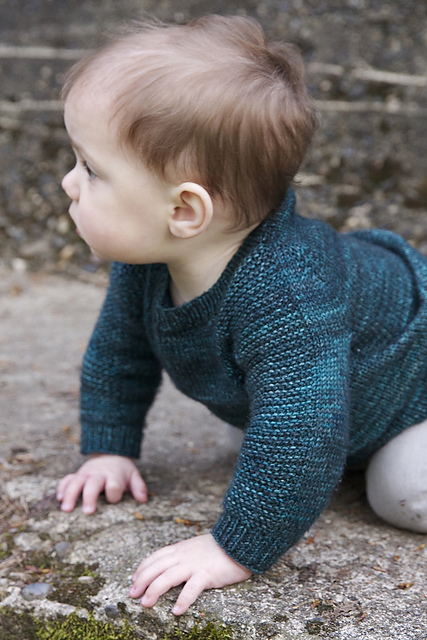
84	156
76	147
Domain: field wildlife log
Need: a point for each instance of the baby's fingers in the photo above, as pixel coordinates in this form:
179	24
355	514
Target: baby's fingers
94	485
114	490
190	592
172	577
153	565
138	487
69	490
62	486
146	574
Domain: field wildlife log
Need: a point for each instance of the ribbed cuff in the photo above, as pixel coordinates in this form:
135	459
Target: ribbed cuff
248	545
113	439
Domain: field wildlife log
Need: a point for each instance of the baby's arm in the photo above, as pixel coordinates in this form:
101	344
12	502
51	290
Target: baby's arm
119	379
199	562
109	473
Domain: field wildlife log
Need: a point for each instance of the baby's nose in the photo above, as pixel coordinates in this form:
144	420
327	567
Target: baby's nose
70	186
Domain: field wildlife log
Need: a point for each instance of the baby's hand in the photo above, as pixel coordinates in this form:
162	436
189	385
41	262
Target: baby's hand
199	562
112	474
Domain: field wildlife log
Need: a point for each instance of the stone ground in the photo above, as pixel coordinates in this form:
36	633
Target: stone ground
351	576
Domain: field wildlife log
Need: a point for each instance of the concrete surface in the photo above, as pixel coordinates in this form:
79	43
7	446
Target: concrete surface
351	576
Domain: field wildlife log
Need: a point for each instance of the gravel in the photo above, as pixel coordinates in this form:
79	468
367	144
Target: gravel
36	590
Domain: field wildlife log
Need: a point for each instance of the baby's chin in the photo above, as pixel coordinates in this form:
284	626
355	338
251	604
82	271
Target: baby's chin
96	254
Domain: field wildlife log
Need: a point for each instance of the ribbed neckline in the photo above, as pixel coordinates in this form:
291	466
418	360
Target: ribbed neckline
202	309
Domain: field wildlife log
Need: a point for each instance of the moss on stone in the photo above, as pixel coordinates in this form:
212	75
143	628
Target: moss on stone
73	627
209	632
64	577
40	560
68	589
6	545
14	625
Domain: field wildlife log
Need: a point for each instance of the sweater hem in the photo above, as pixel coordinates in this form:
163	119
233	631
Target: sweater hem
113	440
250	547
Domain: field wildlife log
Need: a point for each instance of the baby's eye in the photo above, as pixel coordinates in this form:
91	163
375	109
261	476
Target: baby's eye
89	171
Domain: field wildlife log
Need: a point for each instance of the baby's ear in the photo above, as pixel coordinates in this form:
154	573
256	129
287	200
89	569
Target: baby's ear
193	210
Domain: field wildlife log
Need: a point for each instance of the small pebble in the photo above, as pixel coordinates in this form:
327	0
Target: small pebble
61	549
27	541
85	579
111	611
36	591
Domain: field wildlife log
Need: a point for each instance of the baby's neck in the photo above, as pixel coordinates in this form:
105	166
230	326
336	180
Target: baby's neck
198	270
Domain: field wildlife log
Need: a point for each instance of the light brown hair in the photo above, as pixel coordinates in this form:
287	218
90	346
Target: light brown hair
210	101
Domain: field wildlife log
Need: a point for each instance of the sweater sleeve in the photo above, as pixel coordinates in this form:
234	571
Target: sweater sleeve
294	356
120	373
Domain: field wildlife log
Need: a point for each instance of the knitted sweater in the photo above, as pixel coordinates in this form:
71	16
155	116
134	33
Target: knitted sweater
313	342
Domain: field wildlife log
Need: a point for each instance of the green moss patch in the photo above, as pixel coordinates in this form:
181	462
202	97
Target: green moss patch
6	546
15	625
68	589
22	625
75	628
209	632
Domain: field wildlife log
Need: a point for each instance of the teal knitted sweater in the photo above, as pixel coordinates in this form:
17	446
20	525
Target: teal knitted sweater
312	342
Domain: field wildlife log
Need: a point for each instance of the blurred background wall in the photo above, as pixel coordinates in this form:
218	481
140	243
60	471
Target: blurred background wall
366	64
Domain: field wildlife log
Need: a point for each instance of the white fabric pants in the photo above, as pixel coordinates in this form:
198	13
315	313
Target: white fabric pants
396	478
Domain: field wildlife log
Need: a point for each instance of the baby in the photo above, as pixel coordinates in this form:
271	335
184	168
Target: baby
312	343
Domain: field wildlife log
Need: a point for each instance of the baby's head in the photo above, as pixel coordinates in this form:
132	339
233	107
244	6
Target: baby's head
208	102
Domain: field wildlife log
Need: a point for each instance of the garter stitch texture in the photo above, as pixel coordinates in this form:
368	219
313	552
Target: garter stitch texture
313	342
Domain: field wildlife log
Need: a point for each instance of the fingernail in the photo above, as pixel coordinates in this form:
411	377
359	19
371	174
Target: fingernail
87	510
144	601
176	610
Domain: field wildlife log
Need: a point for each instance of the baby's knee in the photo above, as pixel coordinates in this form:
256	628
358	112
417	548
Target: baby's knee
396	480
